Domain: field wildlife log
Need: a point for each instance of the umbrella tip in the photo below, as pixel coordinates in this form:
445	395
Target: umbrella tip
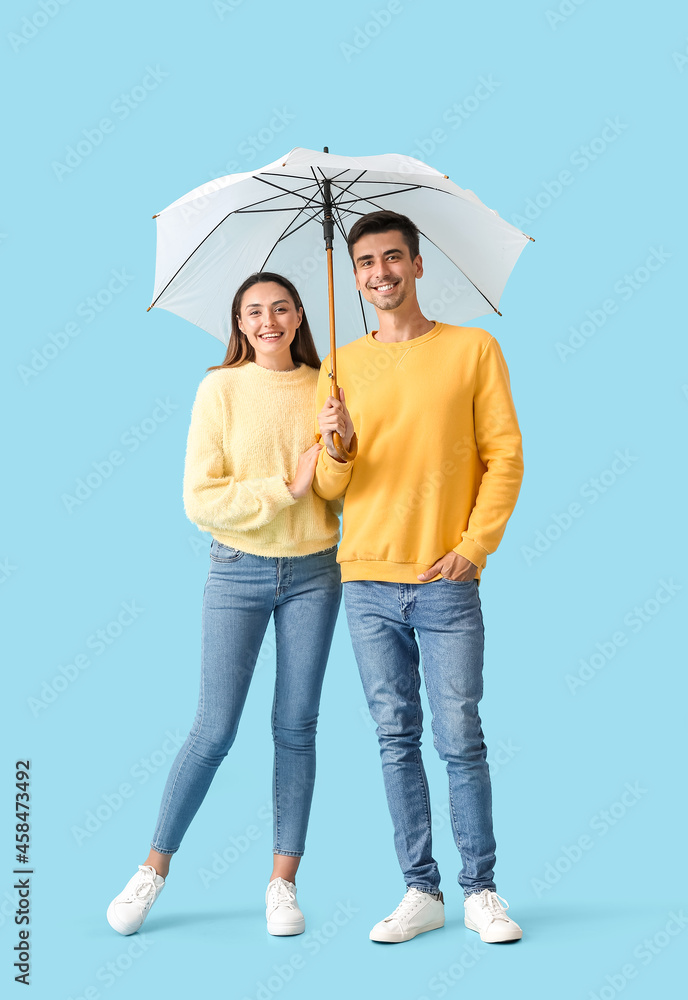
155	216
149	308
326	149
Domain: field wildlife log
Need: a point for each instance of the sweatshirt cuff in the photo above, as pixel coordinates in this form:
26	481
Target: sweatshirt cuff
473	552
333	466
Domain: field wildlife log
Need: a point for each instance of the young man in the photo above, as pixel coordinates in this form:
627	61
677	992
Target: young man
427	499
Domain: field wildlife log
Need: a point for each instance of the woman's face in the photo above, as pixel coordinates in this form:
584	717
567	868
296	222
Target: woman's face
269	319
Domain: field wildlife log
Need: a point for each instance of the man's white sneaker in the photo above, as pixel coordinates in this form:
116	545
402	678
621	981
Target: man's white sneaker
417	912
485	913
282	911
127	911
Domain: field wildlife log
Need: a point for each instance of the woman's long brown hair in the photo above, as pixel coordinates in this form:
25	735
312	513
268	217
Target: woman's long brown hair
240	351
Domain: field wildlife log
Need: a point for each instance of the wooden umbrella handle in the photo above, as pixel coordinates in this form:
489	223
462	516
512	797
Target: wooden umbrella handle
345	455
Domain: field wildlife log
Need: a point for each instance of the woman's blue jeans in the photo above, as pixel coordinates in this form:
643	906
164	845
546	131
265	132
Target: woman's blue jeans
241	593
384	619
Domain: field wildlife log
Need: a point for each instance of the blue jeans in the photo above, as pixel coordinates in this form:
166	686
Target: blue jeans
384	619
241	593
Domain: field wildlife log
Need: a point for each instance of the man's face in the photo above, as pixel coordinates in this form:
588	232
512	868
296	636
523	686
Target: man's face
385	273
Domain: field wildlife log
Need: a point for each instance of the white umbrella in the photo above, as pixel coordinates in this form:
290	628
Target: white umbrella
275	218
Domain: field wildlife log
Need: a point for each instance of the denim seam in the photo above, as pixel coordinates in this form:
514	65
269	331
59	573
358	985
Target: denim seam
173	789
455	820
419	724
276	812
190	747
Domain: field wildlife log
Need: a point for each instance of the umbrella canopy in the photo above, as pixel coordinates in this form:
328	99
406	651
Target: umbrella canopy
212	238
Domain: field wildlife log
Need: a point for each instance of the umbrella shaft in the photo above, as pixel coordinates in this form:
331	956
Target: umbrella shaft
333	349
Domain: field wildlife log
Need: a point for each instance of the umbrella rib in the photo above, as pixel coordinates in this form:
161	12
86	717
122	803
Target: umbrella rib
430	187
338	220
360	300
311	218
301	177
297	192
286	234
185	262
263	201
478	290
381	194
264	211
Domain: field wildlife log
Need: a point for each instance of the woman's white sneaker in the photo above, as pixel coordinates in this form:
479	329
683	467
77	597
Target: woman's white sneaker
485	913
417	912
281	909
127	911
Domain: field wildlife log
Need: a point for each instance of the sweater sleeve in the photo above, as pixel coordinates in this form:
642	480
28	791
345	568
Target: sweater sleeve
331	477
498	439
212	499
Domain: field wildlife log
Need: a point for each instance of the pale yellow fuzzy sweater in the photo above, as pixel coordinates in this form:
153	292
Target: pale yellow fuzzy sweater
248	427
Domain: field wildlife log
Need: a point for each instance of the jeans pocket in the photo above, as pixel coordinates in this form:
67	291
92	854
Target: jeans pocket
224	553
472	580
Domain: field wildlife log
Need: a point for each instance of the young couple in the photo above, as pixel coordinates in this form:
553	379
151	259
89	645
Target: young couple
425	500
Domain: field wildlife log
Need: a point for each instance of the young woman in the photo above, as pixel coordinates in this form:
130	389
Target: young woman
249	466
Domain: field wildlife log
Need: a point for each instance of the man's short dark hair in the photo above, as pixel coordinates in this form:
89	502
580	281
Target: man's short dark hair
383	222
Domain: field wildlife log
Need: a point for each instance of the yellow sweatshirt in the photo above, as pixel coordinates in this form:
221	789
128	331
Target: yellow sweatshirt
249	425
440	460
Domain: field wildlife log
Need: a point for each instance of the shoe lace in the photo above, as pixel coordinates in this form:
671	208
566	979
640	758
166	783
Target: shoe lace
494	904
144	888
412	898
281	894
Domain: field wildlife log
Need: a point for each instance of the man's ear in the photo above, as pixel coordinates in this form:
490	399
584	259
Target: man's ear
419	266
358	286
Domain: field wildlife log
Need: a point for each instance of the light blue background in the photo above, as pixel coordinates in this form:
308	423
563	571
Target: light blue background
570	755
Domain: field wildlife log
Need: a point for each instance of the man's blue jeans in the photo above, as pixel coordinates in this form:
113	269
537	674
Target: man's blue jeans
241	593
384	619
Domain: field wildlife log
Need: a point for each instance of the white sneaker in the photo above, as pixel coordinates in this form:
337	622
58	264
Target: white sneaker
127	911
485	913
417	912
282	911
